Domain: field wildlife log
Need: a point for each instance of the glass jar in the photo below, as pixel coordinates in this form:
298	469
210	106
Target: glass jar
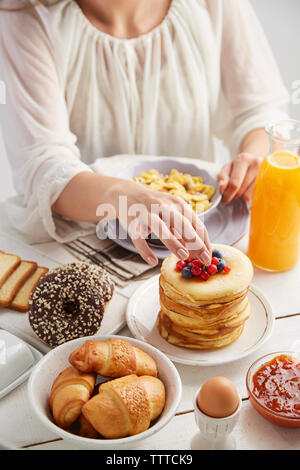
274	243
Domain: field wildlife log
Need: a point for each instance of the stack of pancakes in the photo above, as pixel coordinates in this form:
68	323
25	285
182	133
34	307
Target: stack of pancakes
205	315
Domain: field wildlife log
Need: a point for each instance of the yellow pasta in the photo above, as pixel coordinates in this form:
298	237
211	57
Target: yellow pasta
191	189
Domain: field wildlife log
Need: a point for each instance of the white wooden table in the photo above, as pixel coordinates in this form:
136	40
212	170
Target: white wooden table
20	427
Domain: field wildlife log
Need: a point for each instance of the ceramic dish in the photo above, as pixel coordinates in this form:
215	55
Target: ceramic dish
222	216
272	416
225	225
143	308
55	361
17	360
215	433
164	166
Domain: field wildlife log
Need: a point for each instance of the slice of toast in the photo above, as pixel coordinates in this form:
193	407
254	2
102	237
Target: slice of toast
21	300
15	281
8	264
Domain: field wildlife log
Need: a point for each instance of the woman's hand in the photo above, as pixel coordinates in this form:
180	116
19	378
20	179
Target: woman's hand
143	211
90	197
237	178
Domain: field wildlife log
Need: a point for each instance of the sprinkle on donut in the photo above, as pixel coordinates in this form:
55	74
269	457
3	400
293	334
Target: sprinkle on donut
69	302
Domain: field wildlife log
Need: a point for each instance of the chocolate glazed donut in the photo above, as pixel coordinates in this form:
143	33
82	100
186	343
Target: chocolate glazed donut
69	302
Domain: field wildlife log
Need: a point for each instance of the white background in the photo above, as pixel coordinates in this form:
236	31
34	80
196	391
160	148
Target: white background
280	19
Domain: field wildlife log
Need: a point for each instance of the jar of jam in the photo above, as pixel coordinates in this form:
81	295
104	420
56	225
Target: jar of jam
273	383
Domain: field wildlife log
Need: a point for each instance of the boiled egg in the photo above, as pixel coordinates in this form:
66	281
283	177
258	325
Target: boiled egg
218	398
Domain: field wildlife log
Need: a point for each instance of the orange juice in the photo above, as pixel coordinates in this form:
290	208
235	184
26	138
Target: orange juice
274	242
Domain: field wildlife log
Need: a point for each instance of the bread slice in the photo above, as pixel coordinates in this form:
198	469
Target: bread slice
15	281
21	300
8	264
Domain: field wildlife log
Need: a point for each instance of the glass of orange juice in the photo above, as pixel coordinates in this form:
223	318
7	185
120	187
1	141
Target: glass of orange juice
274	242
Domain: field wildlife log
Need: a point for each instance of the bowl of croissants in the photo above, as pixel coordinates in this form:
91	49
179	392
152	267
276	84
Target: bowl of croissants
105	392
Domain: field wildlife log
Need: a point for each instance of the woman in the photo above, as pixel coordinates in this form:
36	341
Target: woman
90	78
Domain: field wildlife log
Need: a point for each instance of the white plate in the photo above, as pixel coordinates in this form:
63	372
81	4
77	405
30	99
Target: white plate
142	311
225	224
22	377
17	323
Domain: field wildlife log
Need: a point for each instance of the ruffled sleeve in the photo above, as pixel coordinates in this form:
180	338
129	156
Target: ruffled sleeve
252	91
40	146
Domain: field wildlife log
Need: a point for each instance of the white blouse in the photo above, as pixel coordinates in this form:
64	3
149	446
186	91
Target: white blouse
76	94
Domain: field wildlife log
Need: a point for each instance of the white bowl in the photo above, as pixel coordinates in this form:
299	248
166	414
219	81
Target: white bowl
164	166
56	360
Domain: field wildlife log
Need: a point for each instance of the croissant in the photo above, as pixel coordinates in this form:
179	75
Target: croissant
125	406
70	390
112	358
82	427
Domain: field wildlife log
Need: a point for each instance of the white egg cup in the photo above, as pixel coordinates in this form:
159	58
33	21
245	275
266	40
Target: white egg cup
215	433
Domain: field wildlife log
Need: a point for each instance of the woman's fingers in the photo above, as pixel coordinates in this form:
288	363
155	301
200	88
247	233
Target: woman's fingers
237	177
248	181
163	232
224	175
137	235
159	228
250	177
248	194
238	172
139	229
189	230
189	237
201	230
145	252
198	225
176	225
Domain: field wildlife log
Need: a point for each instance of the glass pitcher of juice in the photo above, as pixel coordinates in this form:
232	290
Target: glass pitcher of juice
274	243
